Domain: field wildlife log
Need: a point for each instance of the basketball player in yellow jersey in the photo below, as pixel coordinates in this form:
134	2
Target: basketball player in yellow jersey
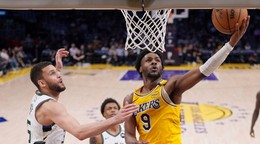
158	117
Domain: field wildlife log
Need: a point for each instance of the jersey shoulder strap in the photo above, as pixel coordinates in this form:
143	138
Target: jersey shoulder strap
162	82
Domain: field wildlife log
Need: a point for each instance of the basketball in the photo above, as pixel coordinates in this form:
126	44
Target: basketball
224	20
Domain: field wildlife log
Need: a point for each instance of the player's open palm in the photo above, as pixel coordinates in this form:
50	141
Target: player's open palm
125	112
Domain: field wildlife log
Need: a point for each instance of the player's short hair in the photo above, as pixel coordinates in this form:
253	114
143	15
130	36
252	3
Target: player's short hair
36	72
105	102
140	57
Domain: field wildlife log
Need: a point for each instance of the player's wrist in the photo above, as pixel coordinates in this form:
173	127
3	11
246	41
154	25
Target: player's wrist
231	43
229	46
115	120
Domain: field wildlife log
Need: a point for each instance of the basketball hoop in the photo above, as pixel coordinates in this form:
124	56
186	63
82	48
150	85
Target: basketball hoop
146	29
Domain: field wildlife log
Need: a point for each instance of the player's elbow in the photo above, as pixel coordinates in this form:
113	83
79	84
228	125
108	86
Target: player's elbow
80	135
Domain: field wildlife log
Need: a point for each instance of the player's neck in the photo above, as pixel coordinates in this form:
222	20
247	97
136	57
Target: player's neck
52	94
114	129
150	84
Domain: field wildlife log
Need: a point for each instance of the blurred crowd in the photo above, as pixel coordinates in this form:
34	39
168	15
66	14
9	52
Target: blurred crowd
98	36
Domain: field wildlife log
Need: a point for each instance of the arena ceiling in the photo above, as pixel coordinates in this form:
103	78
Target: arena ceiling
126	4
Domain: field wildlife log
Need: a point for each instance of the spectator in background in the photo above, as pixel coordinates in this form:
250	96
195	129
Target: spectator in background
131	56
90	53
11	63
104	53
76	55
120	54
47	54
21	57
3	65
113	57
253	59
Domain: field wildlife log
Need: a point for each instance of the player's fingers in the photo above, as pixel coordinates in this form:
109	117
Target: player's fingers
129	110
61	49
247	19
129	113
62	52
245	24
65	53
129	105
236	27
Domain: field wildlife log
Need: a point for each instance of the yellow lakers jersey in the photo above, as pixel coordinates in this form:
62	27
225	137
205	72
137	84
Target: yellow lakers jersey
157	118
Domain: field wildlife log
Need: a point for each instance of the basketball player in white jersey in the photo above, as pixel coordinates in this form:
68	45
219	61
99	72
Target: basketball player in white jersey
48	119
115	134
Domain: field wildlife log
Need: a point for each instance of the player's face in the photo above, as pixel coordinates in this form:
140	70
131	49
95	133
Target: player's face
110	110
53	79
151	65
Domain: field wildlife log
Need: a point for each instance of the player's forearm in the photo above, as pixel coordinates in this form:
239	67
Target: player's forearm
216	60
93	129
59	64
254	118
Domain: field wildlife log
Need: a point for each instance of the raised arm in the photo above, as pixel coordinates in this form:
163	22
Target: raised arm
56	113
180	84
255	114
62	52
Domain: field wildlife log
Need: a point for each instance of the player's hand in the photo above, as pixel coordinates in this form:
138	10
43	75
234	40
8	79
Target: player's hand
61	53
239	32
252	133
125	112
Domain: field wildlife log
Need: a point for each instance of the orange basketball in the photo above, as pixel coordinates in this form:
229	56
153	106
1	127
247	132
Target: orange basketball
224	20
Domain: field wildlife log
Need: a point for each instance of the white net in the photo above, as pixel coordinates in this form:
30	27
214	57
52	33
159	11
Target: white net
146	29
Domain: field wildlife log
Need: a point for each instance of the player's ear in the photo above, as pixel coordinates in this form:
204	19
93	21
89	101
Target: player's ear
41	83
140	69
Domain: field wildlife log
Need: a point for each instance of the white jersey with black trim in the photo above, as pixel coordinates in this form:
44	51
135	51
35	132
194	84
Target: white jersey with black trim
108	138
39	134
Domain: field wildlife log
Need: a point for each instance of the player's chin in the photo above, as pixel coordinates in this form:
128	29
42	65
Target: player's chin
110	116
61	88
113	115
154	74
